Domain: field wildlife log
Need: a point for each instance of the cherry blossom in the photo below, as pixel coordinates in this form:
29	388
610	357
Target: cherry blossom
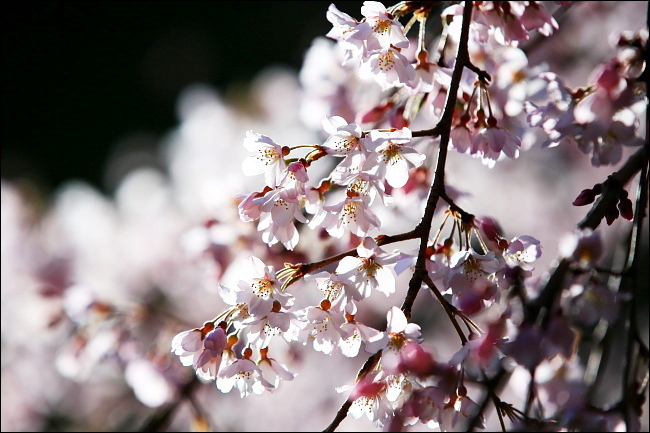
278	209
201	348
469	268
352	215
399	332
272	369
371	270
258	292
368	398
322	327
261	330
392	155
347	31
243	374
341	291
368	185
209	361
345	138
356	333
268	158
522	251
491	142
386	31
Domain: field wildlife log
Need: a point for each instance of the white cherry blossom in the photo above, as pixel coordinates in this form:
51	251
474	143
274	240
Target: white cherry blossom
371	270
268	158
393	154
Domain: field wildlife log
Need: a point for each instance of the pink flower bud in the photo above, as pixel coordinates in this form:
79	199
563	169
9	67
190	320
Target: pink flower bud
585	197
608	76
367	388
414	359
397	119
375	114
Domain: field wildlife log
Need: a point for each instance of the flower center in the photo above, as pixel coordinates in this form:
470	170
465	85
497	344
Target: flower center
268	155
346	144
369	267
349	212
391	152
360	186
263	288
332	289
472	269
396	341
382	27
386	62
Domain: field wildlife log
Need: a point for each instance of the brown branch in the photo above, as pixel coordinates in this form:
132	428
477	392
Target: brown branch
438	184
445	305
423	229
611	187
293	273
343	411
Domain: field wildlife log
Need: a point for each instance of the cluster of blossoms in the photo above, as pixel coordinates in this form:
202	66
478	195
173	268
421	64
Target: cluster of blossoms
368	158
601	117
378	155
308	257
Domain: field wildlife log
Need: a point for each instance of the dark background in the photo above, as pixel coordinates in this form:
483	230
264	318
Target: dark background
78	76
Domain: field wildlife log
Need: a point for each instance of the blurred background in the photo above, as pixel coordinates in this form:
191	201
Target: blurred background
79	77
90	92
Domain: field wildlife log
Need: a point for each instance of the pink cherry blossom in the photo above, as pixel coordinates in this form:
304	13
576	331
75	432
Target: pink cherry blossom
345	138
341	291
368	398
260	331
258	291
522	251
272	370
386	31
536	17
349	33
399	332
468	267
351	215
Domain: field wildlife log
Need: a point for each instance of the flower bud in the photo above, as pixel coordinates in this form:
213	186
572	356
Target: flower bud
585	197
611	214
625	208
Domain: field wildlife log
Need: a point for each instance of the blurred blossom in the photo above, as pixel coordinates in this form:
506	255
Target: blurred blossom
113	304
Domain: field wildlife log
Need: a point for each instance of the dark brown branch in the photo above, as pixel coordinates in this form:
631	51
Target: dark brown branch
445	305
438	185
293	273
437	188
611	187
343	411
